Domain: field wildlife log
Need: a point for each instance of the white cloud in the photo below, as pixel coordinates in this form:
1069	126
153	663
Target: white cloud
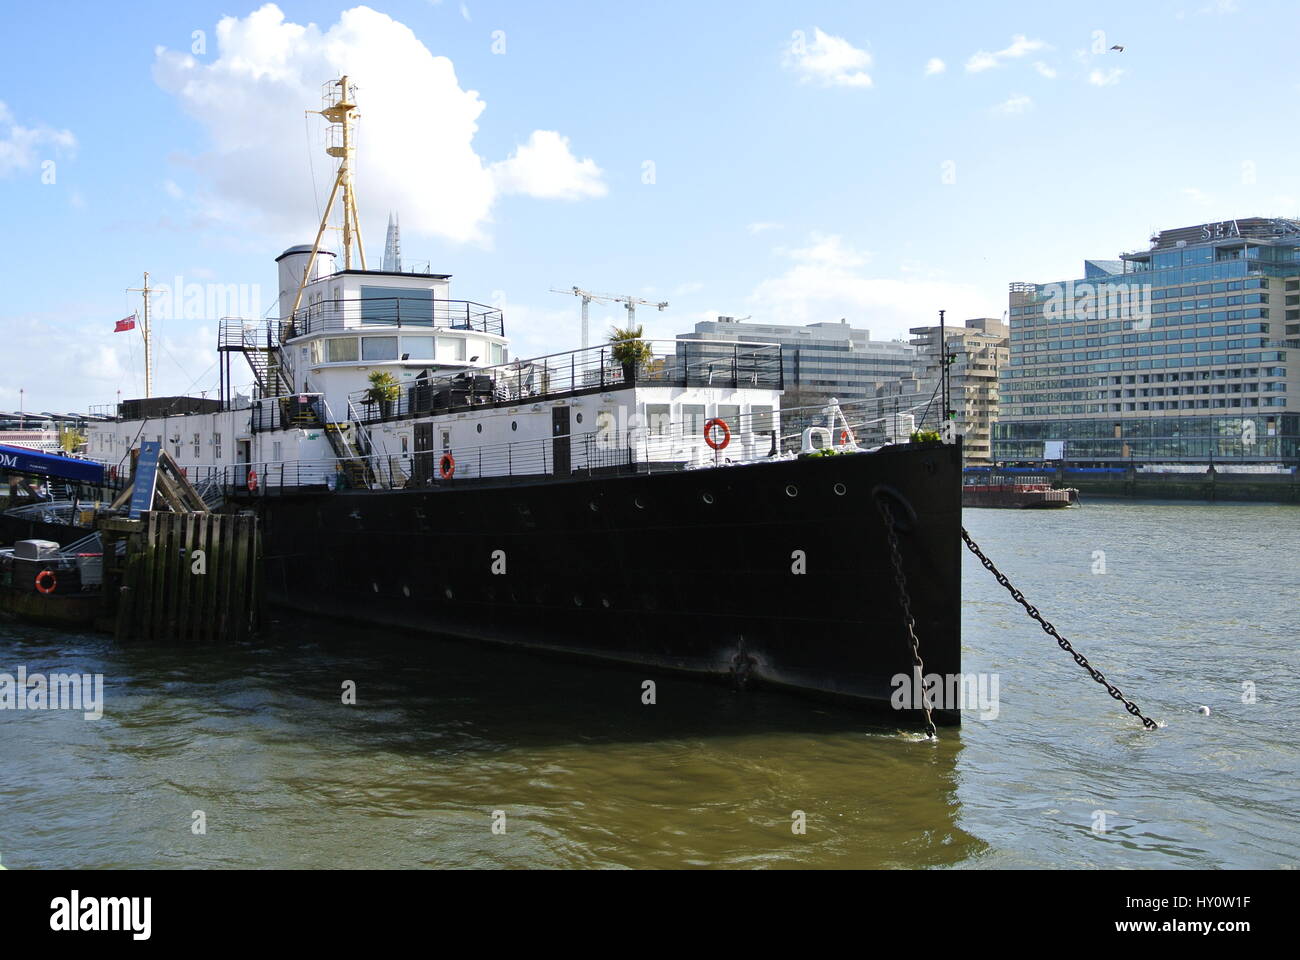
828	250
1020	45
21	148
825	281
545	167
172	189
934	66
1016	103
762	225
1105	78
1197	196
415	137
829	60
1044	70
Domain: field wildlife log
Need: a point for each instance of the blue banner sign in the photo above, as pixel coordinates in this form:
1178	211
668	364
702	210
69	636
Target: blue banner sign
146	478
22	460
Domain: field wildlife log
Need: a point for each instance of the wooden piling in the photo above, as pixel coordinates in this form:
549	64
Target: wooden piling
155	595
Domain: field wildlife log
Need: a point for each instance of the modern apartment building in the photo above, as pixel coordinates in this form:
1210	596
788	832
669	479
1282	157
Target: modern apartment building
1185	351
979	349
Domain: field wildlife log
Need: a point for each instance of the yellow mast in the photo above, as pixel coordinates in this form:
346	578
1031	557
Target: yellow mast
341	111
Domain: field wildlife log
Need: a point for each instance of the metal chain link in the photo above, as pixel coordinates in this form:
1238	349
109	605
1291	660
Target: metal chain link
905	602
1079	658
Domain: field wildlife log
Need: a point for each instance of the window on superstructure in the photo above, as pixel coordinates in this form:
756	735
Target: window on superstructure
198	446
397	305
379	348
659	419
342	350
216	446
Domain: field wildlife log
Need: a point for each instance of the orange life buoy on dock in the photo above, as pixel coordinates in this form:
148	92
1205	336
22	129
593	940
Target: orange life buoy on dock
252	480
46	581
708	433
844	436
447	466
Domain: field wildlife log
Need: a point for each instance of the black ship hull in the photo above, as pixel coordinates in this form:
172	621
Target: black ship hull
777	573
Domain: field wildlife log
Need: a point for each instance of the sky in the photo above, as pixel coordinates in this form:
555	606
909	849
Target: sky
789	162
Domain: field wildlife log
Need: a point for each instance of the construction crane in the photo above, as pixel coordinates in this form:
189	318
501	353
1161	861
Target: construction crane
630	303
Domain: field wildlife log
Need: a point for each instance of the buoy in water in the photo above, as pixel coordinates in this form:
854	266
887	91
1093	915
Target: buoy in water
1203	711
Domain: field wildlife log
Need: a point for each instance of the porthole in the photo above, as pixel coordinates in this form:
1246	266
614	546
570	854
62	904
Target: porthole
639	503
514	424
478	427
840	489
706	497
578	417
791	490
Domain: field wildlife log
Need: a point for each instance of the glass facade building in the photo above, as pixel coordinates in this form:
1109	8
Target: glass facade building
1186	351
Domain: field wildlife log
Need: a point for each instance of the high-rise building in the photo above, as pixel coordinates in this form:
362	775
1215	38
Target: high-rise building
821	360
1185	351
393	246
979	349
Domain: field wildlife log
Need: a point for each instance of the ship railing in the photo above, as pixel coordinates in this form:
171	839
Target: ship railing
589	453
294	410
356	313
680	363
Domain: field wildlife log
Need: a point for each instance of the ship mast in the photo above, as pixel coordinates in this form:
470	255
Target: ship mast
146	291
341	112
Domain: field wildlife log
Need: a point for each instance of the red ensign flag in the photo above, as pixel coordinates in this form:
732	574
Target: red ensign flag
127	323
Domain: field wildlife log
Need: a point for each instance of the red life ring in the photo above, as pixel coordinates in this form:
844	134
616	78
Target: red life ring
447	466
252	480
844	436
708	433
46	581
112	473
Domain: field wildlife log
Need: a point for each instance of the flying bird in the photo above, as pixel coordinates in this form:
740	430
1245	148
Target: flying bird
1118	48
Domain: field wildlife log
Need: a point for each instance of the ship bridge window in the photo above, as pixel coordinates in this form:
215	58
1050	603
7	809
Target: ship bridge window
761	419
451	348
342	349
396	305
418	348
498	354
730	412
379	348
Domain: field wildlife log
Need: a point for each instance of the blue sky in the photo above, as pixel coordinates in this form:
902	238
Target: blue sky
792	162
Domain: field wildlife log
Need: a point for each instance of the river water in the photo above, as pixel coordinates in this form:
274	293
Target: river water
1182	605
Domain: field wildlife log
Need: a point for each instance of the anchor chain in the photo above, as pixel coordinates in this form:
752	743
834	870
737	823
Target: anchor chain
1064	644
905	602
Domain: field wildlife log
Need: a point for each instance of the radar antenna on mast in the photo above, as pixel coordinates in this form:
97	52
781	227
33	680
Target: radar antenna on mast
341	111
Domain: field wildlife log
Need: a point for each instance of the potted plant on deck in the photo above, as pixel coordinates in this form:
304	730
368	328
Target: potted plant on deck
629	350
384	389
